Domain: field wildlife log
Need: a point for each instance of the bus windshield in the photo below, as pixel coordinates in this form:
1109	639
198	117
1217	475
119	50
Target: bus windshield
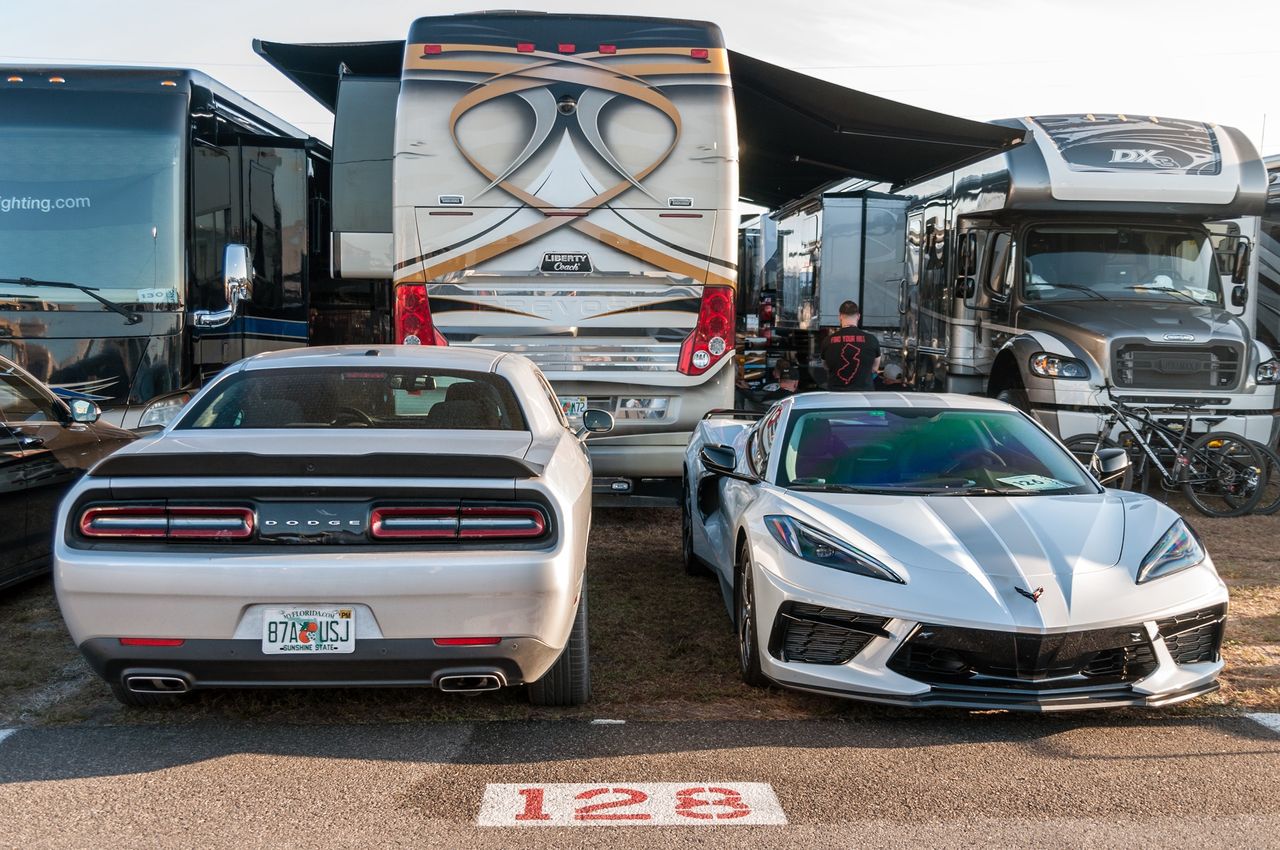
1120	262
90	194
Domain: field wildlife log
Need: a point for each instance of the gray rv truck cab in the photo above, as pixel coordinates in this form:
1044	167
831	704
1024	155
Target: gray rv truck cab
1080	263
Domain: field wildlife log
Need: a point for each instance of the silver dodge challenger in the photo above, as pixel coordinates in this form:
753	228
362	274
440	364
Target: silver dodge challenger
945	550
346	516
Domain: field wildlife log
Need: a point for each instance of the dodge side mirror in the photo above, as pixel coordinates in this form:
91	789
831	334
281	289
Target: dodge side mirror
595	422
237	285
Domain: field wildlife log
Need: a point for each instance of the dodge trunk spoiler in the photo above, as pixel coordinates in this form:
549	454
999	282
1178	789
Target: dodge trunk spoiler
248	465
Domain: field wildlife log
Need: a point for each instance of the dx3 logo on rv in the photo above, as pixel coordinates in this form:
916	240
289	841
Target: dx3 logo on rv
1139	156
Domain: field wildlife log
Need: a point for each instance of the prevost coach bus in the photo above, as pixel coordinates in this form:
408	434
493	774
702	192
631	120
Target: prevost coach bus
120	191
564	187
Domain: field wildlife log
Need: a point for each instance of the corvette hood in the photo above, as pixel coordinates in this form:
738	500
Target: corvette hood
965	558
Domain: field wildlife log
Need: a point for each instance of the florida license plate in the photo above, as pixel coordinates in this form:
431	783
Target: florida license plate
573	405
300	629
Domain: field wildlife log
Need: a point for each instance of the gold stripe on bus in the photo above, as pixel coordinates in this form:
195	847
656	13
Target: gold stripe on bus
717	61
653	257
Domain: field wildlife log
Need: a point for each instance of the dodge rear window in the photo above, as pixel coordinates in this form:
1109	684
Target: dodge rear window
357	397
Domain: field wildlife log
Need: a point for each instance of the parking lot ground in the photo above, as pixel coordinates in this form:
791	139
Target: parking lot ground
926	780
662	649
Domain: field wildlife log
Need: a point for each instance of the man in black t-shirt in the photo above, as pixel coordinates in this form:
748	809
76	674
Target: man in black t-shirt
852	355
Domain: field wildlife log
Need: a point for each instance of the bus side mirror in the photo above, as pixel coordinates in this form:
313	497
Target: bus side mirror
966	287
1240	272
237	284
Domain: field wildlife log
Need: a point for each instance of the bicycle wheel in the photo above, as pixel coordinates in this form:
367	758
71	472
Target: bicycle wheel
1222	475
1083	447
1270	501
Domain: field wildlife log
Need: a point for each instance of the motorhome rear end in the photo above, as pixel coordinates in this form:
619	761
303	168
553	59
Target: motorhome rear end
564	187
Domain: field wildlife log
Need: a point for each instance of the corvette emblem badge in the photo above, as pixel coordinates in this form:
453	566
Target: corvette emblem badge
1033	595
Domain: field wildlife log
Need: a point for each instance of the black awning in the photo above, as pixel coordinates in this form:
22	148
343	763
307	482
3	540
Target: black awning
797	133
315	68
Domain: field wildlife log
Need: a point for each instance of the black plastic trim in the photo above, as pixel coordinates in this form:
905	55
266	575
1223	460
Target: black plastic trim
376	662
248	465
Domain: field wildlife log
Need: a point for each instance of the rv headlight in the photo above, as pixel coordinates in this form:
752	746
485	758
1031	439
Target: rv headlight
1048	365
162	412
1268	372
1177	549
818	547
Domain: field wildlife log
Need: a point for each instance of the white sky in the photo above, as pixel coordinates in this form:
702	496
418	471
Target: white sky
980	59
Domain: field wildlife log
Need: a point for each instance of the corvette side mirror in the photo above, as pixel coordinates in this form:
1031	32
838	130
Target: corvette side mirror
1110	464
720	460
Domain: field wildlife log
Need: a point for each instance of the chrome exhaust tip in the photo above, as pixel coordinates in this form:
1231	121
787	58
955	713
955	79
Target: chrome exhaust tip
470	683
157	684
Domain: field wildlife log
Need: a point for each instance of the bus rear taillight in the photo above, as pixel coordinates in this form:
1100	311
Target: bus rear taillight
713	337
413	317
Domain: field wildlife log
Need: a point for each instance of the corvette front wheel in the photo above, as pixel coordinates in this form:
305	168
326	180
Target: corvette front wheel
745	618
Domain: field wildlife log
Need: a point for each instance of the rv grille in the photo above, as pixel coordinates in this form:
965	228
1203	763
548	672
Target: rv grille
813	634
1194	637
1145	366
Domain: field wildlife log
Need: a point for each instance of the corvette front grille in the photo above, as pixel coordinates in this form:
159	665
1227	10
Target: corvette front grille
950	655
814	634
1196	636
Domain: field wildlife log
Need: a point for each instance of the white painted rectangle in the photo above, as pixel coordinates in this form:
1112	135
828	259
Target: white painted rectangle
1271	721
630	804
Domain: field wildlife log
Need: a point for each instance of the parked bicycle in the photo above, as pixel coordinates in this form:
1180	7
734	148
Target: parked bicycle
1221	474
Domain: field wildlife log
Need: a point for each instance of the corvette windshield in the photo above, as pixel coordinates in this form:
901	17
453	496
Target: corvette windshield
926	452
357	397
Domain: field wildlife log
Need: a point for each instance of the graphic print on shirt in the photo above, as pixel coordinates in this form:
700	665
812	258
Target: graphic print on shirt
850	362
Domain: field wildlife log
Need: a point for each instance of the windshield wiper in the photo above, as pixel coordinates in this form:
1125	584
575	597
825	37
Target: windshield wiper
1169	290
984	491
92	292
1086	290
876	491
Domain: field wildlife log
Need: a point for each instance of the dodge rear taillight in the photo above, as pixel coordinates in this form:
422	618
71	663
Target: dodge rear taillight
413	317
186	522
713	337
468	522
501	522
414	523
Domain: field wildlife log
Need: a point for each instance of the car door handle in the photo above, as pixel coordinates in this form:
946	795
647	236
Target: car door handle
26	441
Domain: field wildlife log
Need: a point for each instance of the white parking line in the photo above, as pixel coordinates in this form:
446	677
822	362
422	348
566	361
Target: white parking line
5	733
1271	721
631	804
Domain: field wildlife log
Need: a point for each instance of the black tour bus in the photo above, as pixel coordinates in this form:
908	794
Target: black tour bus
154	227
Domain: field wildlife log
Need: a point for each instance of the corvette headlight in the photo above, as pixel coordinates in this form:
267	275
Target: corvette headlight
1268	372
1176	550
818	547
1048	365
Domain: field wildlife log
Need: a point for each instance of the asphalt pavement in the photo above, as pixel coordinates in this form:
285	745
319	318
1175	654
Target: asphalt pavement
933	780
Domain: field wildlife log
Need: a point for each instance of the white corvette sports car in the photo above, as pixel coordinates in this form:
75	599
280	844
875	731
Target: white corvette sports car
944	550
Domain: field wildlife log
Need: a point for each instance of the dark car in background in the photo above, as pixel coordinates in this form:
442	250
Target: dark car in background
46	444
